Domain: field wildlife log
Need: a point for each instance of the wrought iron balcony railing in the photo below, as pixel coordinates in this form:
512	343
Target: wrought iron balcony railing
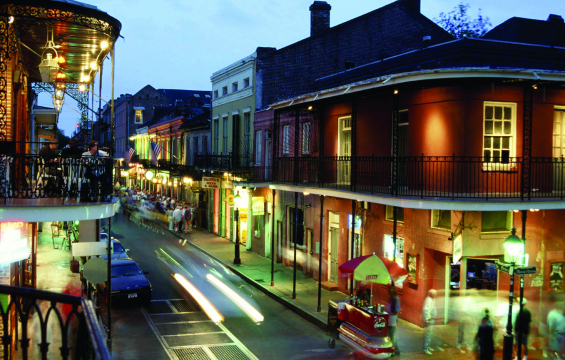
214	162
25	176
254	174
41	324
449	177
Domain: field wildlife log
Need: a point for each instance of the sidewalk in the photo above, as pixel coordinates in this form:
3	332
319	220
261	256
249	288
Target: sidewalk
256	270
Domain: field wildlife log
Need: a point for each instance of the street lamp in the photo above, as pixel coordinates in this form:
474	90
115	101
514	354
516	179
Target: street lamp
513	253
237	201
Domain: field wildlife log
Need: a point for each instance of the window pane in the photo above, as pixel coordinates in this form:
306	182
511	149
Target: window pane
487	155
556	128
505	156
496	155
496	142
488	142
507	113
506	143
494	220
488	112
498	127
488	127
507	127
498	112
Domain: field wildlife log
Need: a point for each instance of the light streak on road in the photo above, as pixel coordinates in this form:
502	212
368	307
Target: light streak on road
169	258
206	305
238	300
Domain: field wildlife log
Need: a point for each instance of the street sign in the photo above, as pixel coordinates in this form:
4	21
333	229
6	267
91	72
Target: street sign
503	267
526	270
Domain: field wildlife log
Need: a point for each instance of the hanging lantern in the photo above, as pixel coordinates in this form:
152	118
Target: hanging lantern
49	66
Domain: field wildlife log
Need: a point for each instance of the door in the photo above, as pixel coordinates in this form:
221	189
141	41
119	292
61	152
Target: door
333	254
279	241
558	147
310	242
344	151
268	160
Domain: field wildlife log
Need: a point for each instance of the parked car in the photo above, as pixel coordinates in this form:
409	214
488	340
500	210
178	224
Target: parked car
128	282
118	251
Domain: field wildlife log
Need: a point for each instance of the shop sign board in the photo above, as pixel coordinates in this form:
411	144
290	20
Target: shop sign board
242	214
258	204
457	249
14	246
210	183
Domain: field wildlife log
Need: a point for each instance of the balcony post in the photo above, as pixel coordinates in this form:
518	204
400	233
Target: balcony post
273	252
527	141
353	211
276	124
296	145
395	110
320	257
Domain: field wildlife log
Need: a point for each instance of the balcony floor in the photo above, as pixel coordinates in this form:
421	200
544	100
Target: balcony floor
54	209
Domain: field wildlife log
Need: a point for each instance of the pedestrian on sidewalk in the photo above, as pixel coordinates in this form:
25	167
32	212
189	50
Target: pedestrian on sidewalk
429	313
187	219
393	309
177	215
522	328
486	339
556	330
170	218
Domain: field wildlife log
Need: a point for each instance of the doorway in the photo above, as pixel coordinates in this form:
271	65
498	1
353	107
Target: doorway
558	149
344	150
333	246
403	148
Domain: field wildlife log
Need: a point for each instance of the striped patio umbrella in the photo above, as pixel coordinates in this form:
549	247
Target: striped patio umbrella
373	268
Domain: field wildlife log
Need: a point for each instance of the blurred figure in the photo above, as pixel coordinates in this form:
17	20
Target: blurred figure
485	338
187	219
522	327
556	330
393	309
429	313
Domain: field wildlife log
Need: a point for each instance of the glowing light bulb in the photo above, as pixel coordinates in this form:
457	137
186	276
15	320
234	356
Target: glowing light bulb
103	44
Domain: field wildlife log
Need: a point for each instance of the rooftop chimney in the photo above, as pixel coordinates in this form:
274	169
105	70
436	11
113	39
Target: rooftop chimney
412	4
319	17
556	18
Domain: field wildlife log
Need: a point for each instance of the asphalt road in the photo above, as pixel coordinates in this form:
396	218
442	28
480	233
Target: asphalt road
173	325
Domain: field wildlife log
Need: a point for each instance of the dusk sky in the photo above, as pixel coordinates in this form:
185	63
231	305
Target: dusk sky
178	44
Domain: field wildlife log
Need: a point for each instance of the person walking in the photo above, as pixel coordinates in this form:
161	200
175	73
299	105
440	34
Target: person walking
170	218
485	337
556	330
429	313
187	219
393	309
177	215
522	328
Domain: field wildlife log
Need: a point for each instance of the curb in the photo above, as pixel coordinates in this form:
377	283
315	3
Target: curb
289	305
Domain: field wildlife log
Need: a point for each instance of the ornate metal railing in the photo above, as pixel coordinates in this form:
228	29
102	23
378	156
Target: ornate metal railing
214	162
41	324
448	177
25	176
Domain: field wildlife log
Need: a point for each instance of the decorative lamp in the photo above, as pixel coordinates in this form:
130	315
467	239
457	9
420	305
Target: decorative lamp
154	180
513	248
238	200
149	174
49	66
185	180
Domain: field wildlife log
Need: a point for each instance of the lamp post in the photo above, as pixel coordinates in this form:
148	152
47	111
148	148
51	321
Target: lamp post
237	200
513	251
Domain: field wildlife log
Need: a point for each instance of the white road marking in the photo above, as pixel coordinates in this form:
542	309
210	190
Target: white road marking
205	347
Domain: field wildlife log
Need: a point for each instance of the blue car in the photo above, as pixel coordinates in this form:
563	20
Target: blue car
118	251
128	282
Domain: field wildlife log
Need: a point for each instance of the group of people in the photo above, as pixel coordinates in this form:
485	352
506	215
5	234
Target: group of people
181	216
61	171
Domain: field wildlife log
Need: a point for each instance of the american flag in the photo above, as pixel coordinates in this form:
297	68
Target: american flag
155	151
129	154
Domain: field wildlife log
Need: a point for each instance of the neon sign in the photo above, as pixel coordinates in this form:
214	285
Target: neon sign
13	246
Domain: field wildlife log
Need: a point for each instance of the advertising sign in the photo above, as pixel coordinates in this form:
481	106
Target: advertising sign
457	249
14	246
210	183
258	204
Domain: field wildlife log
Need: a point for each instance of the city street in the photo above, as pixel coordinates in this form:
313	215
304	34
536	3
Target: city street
173	325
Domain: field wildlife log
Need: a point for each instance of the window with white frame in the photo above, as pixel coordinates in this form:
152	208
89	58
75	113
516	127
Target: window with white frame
204	145
225	145
258	141
245	83
234	87
286	139
215	94
441	219
225	90
496	221
499	143
306	138
139	116
390	214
